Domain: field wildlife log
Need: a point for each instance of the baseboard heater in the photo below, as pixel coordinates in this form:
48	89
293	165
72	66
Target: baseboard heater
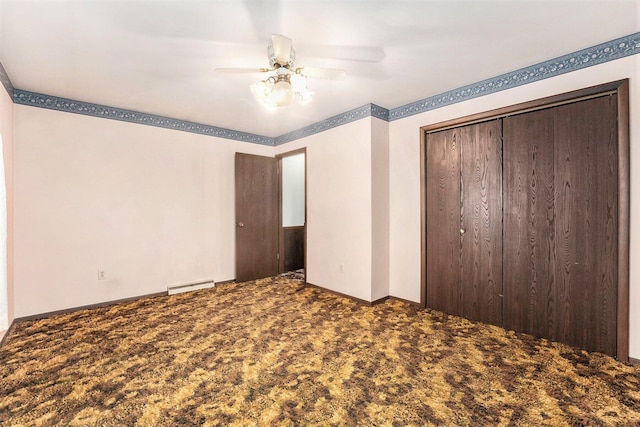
178	289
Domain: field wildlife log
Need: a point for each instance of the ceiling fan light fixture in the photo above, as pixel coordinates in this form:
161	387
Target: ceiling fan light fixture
299	84
280	91
298	81
259	89
262	90
305	96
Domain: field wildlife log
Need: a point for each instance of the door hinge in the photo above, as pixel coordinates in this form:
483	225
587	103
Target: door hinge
277	256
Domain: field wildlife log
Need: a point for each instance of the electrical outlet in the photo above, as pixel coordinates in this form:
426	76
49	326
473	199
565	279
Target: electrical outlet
101	275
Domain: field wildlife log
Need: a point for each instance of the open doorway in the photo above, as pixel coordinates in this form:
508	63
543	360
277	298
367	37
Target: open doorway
293	214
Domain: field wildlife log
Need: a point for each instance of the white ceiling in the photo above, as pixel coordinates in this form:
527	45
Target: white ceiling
159	57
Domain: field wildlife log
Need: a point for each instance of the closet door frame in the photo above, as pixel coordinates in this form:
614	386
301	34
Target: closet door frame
619	87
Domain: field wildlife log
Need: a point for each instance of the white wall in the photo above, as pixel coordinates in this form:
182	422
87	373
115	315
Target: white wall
405	173
339	208
348	208
151	207
154	207
379	209
6	130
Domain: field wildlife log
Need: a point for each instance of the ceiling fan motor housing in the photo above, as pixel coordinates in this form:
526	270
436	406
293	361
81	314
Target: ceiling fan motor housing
273	61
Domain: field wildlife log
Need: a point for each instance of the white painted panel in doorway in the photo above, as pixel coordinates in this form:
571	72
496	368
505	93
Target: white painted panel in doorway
293	191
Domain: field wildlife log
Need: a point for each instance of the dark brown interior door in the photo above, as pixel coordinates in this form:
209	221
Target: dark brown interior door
561	223
257	224
481	221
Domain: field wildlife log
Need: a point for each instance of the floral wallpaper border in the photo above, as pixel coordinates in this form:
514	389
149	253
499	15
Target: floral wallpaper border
595	55
78	107
6	82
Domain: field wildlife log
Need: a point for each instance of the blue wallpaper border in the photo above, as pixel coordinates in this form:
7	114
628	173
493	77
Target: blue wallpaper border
605	52
368	110
78	107
6	81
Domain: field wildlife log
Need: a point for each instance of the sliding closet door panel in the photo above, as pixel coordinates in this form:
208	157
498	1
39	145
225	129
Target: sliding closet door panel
560	223
443	221
529	223
586	226
481	221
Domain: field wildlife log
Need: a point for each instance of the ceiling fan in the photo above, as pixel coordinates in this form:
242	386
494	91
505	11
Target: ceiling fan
280	89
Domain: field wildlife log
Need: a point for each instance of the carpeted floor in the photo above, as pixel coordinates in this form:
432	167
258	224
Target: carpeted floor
273	352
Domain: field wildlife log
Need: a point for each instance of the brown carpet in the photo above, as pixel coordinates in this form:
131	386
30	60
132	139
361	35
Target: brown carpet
273	352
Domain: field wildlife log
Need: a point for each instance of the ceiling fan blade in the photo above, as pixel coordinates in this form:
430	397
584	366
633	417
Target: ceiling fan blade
372	54
281	48
322	73
242	70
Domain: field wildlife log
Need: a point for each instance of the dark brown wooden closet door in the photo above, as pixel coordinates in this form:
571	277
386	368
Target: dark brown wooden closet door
481	221
464	221
443	221
560	261
529	224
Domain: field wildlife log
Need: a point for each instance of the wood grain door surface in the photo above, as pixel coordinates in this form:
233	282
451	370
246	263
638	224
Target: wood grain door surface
481	221
443	221
529	222
537	250
464	221
257	216
561	223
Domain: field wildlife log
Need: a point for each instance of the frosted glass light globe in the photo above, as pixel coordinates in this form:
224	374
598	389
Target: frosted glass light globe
282	93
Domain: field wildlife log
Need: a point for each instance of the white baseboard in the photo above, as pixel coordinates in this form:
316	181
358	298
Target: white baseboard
178	289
